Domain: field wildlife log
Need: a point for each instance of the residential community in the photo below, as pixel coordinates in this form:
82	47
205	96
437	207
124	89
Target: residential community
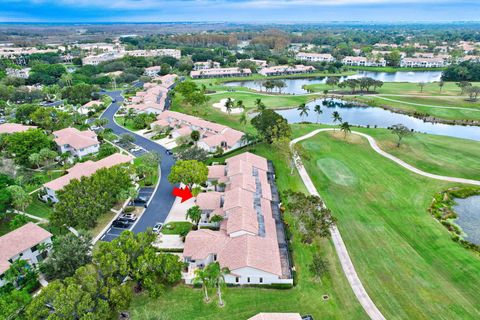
227	170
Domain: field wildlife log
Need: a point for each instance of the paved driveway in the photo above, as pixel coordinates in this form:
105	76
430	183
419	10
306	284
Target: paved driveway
162	199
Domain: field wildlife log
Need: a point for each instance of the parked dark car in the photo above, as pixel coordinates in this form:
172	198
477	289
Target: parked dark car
120	223
169	152
141	199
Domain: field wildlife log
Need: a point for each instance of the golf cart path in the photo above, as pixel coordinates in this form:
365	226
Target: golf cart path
426	105
342	252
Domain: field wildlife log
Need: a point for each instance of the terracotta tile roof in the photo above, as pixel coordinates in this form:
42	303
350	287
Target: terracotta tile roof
92	104
256	161
14	127
87	169
216	172
209	200
243	180
19	240
237	198
242	219
75	138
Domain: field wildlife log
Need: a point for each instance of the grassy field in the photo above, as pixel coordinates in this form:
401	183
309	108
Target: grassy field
406	260
177	227
183	302
431	153
39	208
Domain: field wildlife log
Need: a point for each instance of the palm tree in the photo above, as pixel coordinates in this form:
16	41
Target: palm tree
202	277
240	104
303	108
217	278
260	105
441	84
243	120
336	118
318	110
228	105
345	127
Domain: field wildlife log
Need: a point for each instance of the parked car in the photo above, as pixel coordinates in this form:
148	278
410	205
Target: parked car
129	217
141	199
158	227
119	223
169	152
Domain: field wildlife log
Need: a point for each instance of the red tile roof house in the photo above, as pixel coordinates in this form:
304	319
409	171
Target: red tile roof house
212	135
23	243
8	128
153	98
77	143
220	73
83	169
247	242
285	70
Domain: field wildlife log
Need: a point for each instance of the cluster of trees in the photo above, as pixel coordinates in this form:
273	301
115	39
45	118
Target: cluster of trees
97	289
146	167
211	277
21	145
363	84
193	153
139	120
193	95
82	201
272	84
188	172
270	125
312	218
465	71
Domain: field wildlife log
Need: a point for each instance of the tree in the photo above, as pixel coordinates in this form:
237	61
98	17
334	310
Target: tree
194	214
393	58
400	131
129	115
22	144
473	92
202	277
216	275
440	85
270	125
421	85
35	159
228	105
463	85
47	156
195	135
18	221
188	172
336	118
345	127
332	81
193	153
243	120
69	252
291	154
303	108
21	274
126	138
318	267
11	302
260	105
318	110
51	119
20	198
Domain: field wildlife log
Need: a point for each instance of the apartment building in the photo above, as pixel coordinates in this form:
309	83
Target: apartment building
153	99
315	57
152	71
220	73
18	73
250	240
363	62
108	56
23	243
203	65
422	62
77	143
286	70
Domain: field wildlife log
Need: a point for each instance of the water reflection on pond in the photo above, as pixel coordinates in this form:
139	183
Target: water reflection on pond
468	211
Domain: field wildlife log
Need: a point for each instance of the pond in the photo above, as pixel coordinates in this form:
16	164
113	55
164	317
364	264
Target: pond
373	116
295	86
468	211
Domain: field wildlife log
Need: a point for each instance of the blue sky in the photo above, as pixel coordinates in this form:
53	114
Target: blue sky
237	10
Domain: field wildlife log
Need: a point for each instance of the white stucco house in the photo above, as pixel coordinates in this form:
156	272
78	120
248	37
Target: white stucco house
23	243
77	143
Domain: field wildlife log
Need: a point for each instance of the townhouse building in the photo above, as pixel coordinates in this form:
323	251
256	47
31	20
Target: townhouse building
364	62
220	73
8	128
286	70
203	65
315	57
75	142
435	62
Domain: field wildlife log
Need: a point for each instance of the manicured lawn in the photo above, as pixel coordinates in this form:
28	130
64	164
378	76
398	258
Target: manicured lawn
406	260
39	208
431	153
177	227
150	180
102	222
183	302
127	124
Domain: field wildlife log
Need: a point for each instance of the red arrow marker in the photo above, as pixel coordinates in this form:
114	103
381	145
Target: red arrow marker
185	194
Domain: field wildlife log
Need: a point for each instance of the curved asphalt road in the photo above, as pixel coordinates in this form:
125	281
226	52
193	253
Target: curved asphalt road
162	200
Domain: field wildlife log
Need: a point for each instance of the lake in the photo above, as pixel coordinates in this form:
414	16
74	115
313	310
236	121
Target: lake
295	86
381	118
468	211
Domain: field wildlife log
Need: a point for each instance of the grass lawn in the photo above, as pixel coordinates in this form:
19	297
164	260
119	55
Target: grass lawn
431	153
183	302
102	222
149	180
177	227
128	123
406	260
39	208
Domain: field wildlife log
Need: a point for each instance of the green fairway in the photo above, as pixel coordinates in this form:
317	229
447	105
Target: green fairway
431	153
183	302
405	259
336	171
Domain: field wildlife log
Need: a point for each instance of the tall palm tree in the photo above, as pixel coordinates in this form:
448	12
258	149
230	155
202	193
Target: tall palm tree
217	278
243	120
336	118
240	104
202	277
260	105
318	110
229	105
345	127
303	108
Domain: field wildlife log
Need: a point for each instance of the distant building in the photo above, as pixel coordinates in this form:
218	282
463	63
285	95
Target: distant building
154	97
363	62
220	73
152	71
286	70
18	73
259	63
422	63
113	55
82	169
315	57
77	143
203	65
23	243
